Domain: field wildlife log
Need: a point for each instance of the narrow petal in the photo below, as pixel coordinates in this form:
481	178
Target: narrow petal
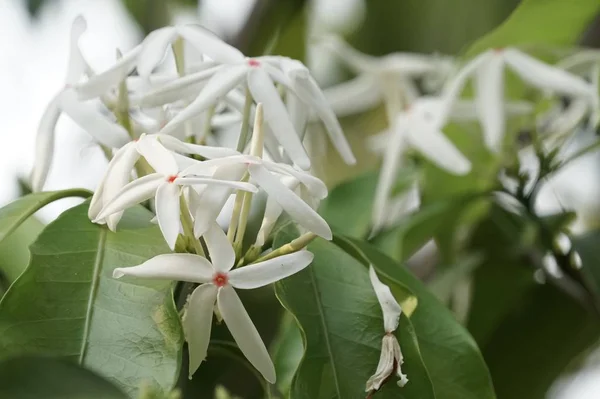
206	168
220	250
315	185
135	192
298	111
161	160
299	210
357	61
308	90
175	90
364	91
489	82
190	181
197	323
436	147
153	50
392	158
90	119
213	200
270	271
389	306
167	212
272	212
115	178
243	331
276	116
44	145
205	151
101	83
77	64
209	44
222	82
547	77
180	267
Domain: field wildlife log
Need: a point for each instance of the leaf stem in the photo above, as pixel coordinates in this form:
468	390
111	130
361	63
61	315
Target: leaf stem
291	247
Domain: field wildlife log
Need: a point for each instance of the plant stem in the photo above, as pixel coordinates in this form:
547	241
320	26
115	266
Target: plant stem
291	247
237	208
179	55
122	109
188	226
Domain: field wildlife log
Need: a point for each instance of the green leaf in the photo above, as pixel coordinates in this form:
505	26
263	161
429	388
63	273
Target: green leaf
50	378
342	328
452	358
67	304
348	206
15	213
536	22
286	352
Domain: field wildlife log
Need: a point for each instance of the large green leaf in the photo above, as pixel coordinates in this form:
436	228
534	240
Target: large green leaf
452	358
18	229
67	304
342	327
50	378
541	22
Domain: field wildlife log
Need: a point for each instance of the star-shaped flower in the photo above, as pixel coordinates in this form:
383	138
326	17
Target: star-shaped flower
217	286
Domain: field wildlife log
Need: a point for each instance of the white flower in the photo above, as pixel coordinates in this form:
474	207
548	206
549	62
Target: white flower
217	286
488	71
119	170
164	185
418	127
391	356
150	53
265	174
86	115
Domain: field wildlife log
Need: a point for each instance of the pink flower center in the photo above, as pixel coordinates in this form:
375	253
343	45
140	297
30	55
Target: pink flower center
171	178
498	50
253	63
220	279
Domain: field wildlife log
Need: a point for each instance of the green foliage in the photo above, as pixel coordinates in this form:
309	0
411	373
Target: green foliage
67	304
50	378
537	22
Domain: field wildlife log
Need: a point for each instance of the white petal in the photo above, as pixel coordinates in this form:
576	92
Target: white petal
298	112
213	200
363	90
314	185
135	192
385	367
115	178
187	181
270	271
101	83
389	306
77	64
436	147
243	331
490	101
181	267
454	87
220	250
357	61
153	50
222	82
206	168
392	159
205	151
309	92
545	76
161	160
167	212
197	323
44	144
299	210
209	44
276	116
89	118
175	90
272	212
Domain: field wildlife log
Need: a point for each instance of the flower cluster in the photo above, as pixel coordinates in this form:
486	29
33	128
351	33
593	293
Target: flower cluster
161	129
422	95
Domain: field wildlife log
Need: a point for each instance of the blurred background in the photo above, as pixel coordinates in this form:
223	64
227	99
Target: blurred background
34	51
